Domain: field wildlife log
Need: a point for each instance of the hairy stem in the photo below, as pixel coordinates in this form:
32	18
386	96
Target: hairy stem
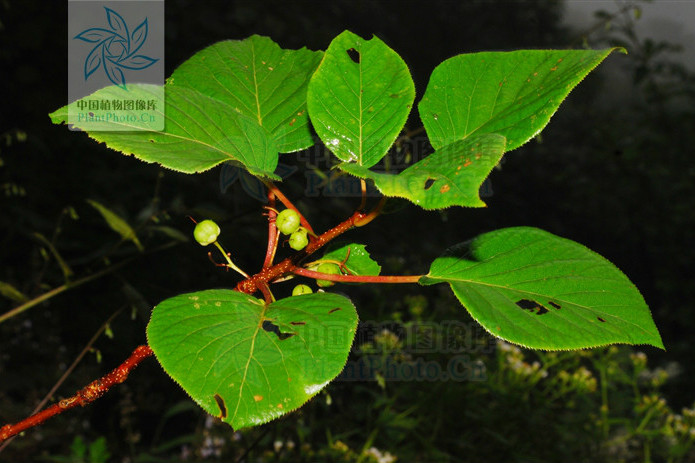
70	369
84	396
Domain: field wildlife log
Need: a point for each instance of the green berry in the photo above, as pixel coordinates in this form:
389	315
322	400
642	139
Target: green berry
206	232
299	239
287	221
329	268
301	289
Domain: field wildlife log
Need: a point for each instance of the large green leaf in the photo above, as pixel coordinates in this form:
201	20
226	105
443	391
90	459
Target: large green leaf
513	94
449	177
359	98
258	79
538	290
355	258
247	362
200	132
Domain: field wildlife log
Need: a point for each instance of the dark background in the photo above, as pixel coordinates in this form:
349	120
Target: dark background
616	177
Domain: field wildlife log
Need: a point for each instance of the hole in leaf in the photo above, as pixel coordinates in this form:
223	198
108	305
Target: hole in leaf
273	328
532	306
354	55
554	304
334	310
428	183
601	320
297	323
222	406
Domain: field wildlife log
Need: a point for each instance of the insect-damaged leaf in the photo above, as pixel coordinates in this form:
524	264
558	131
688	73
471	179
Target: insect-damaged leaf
536	289
247	362
449	177
359	98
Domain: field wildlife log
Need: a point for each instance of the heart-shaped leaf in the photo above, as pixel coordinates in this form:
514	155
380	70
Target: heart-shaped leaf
449	177
359	98
513	94
200	132
533	288
258	79
247	362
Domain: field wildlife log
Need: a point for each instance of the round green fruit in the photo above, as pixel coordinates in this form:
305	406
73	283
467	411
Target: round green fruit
329	268
287	221
299	239
206	232
301	289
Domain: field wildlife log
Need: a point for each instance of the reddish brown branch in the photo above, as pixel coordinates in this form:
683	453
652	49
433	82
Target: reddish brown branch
288	204
265	276
272	231
357	278
258	282
83	397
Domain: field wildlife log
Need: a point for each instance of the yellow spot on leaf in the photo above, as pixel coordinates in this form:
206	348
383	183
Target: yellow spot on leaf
444	188
258	398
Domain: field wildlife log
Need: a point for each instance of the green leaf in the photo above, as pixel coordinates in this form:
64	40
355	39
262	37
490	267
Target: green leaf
513	94
247	362
200	133
359	98
358	260
449	177
538	290
259	80
116	223
10	292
